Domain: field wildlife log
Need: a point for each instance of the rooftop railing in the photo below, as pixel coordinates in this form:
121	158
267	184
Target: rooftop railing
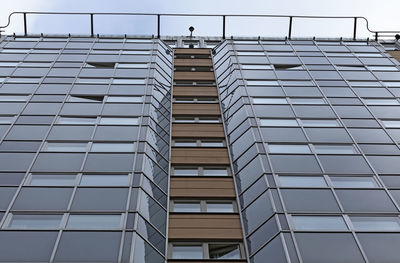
291	19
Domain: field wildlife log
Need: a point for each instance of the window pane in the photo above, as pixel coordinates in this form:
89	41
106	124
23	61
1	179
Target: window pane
276	122
354	181
209	120
184	119
307	101
220	207
187	252
375	223
212	144
186	207
185	143
112	147
335	149
185	172
391	124
215	172
35	221
119	121
70	120
224	251
128	81
319	223
320	123
6	119
94	221
302	181
124	99
52	179
65	147
381	102
284	148
106	180
269	101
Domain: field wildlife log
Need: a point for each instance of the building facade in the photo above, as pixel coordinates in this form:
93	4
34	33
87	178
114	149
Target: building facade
147	150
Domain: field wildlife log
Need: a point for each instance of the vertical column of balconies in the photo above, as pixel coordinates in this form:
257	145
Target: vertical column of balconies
204	223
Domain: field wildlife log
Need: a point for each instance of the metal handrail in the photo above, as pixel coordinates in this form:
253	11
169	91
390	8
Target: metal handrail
223	16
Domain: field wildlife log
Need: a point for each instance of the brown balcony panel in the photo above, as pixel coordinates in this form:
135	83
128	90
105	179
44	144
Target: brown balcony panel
395	54
192	51
209	156
193	75
196	109
204	226
195	62
202	187
199	130
195	91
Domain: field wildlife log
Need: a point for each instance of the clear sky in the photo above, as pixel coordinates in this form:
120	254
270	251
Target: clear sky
383	15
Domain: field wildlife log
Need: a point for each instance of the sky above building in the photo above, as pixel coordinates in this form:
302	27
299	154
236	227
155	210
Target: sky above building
382	15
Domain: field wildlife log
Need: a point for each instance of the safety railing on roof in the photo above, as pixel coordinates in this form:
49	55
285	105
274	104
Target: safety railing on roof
291	20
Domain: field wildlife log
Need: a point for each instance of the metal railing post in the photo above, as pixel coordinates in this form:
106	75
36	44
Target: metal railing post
376	36
25	26
355	28
223	27
290	27
91	25
158	25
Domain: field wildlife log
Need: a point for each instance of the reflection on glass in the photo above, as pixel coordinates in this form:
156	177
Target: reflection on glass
187	252
354	181
376	223
224	251
94	222
186	207
302	181
52	179
319	223
35	221
105	179
219	207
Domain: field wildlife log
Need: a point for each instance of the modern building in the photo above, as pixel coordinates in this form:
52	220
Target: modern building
199	149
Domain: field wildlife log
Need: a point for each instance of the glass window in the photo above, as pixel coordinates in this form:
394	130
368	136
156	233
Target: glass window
124	99
76	98
212	143
302	181
185	172
270	101
320	123
52	179
132	65
391	124
365	200
307	101
354	181
71	120
259	66
224	251
6	119
209	120
262	83
95	199
287	148
94	222
187	252
335	149
219	207
93	81
19	221
112	147
187	207
325	223
185	143
105	179
278	122
309	200
128	81
65	147
215	172
119	121
375	223
381	102
13	98
184	119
